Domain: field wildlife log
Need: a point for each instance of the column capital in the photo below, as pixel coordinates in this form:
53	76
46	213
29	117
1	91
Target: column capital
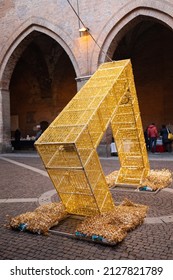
83	78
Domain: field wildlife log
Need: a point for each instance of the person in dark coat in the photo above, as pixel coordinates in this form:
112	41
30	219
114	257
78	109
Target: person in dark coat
147	141
166	142
17	136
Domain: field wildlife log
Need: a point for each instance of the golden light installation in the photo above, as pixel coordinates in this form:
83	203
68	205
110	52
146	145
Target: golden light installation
68	146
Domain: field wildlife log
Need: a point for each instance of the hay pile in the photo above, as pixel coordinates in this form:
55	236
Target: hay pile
111	178
113	226
41	219
158	179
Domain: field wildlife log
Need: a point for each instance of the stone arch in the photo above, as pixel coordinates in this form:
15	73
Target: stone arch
138	18
22	37
126	17
10	54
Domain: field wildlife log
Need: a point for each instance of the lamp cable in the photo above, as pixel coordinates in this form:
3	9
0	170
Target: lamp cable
87	30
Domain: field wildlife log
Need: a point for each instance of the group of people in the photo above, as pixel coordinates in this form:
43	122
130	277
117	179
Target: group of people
17	134
151	135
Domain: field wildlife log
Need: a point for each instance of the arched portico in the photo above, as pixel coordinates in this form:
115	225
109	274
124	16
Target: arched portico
124	19
120	25
11	53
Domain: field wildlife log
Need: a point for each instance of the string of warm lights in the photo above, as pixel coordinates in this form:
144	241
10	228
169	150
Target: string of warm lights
86	29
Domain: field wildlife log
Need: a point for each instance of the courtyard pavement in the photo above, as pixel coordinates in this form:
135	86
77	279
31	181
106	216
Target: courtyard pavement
24	185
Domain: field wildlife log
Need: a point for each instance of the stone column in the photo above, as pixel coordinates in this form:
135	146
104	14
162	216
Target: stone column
81	81
5	130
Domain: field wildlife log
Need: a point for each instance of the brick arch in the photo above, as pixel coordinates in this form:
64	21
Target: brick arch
20	40
126	17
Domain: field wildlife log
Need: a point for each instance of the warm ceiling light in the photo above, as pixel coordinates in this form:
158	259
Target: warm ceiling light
83	29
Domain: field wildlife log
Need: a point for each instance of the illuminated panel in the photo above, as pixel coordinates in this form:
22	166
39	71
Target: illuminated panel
68	146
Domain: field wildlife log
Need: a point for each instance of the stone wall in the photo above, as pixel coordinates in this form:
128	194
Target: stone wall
116	28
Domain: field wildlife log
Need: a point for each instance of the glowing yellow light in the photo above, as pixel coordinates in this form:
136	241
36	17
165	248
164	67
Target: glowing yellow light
83	29
68	146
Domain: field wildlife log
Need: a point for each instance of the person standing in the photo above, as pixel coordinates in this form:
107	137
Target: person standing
166	142
42	127
17	136
147	142
152	134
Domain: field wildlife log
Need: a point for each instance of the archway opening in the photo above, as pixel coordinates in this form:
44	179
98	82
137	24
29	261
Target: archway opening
42	83
149	45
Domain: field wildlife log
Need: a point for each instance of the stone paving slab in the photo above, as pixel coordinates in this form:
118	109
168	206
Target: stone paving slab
28	189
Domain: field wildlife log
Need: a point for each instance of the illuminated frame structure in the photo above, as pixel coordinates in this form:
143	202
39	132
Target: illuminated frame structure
68	146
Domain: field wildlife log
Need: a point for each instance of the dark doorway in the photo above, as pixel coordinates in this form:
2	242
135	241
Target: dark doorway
149	45
42	83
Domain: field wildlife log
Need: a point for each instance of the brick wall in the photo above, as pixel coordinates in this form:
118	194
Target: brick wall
109	21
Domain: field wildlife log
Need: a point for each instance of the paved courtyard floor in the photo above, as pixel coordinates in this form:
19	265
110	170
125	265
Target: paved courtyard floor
24	185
